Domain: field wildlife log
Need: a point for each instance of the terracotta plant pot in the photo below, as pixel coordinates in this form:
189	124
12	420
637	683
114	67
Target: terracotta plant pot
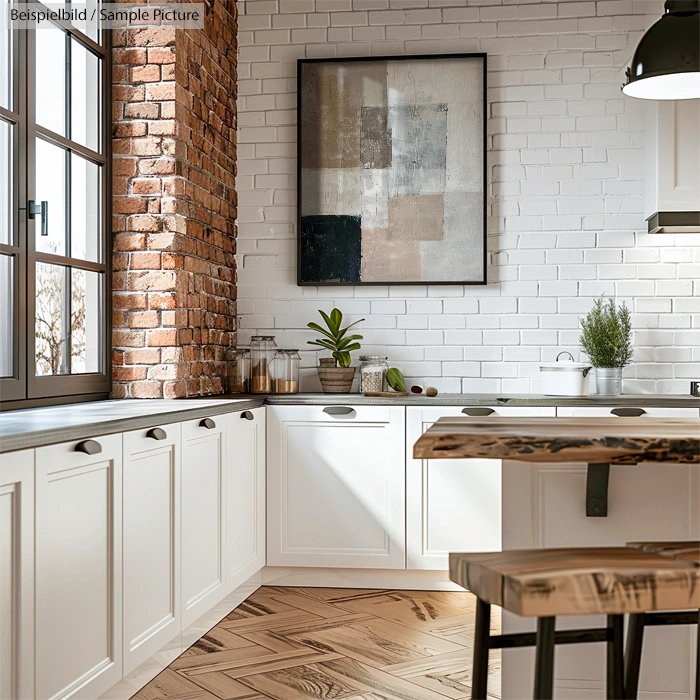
336	380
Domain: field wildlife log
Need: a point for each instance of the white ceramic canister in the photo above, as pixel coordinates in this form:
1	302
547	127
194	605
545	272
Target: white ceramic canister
565	378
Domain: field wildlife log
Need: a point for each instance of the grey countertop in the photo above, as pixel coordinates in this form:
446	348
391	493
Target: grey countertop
641	400
36	427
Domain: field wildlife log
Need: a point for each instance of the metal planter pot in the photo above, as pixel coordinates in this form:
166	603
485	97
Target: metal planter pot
608	381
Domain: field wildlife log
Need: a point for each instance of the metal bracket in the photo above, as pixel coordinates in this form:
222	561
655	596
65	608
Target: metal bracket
597	480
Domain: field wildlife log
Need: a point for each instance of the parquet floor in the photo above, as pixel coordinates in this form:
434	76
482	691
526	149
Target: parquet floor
332	644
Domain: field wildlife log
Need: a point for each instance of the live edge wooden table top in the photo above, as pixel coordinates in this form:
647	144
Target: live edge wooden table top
592	440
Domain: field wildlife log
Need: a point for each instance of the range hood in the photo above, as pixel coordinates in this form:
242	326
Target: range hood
672	177
674	222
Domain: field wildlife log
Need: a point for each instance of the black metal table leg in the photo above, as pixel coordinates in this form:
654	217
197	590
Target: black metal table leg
633	654
597	478
697	664
480	667
544	659
615	657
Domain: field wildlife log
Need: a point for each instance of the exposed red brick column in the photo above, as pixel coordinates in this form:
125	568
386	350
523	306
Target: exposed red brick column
174	205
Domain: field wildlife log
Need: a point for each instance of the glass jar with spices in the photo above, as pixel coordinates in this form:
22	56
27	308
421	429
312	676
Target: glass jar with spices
373	369
238	371
285	372
262	352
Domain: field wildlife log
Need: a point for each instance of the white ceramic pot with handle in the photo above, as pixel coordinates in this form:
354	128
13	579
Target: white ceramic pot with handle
565	377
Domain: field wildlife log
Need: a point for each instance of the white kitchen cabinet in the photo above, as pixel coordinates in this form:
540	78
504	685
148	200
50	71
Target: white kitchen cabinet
151	526
672	156
544	506
78	568
452	505
17	575
203	515
336	491
245	496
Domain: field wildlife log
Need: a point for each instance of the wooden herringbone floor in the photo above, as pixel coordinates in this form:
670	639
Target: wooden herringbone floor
332	643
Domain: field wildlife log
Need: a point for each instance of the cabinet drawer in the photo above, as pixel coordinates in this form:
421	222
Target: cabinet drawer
612	411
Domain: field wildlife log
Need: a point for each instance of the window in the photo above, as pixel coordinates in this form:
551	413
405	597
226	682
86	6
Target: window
54	212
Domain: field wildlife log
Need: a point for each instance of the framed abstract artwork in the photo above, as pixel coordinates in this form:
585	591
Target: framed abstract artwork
392	170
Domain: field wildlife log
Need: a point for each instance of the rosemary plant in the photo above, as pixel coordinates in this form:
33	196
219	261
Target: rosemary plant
606	335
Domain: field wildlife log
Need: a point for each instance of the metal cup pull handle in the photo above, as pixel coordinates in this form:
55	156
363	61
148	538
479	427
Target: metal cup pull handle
628	412
477	411
340	411
157	434
207	423
247	415
89	447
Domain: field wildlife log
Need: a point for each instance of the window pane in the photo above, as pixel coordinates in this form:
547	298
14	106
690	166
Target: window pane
90	26
86	310
50	328
85	96
51	79
86	227
5	56
6	315
51	188
6	182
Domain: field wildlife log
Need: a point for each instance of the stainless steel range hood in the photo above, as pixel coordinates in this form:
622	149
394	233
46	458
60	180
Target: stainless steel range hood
674	222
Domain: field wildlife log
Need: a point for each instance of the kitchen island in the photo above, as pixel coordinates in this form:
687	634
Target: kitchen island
555	474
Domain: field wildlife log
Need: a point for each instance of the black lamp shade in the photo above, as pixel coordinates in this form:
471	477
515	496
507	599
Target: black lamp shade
666	64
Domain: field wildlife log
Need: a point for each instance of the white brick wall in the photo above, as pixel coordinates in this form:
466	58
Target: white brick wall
565	154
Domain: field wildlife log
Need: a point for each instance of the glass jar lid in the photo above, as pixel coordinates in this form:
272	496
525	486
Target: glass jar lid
371	358
256	338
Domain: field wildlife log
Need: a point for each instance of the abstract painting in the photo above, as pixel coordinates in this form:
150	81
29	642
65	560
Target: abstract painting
391	165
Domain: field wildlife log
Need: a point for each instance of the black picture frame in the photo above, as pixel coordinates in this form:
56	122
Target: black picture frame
479	56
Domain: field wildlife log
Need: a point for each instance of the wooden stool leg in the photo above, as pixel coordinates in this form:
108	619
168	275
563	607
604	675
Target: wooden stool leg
544	659
633	654
615	656
480	667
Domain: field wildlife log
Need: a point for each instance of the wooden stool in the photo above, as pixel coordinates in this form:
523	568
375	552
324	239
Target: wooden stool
544	583
686	551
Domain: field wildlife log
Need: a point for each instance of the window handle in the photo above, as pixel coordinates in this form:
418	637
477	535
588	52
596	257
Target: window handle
43	210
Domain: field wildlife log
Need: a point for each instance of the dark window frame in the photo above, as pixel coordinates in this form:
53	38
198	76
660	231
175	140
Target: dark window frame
24	388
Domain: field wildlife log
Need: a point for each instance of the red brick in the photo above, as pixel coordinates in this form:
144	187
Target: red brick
129	301
162	337
147	390
144	319
160	280
145	74
142	356
149	185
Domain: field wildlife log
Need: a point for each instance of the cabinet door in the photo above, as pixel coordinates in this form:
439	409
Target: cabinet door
78	570
151	526
17	575
245	496
336	486
203	516
611	411
452	505
678	145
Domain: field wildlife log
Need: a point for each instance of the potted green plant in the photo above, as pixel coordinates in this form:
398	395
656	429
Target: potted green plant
335	372
606	337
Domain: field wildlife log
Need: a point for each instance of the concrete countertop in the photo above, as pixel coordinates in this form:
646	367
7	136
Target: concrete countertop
36	427
641	400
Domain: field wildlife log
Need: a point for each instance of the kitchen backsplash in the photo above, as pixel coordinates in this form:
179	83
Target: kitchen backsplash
565	163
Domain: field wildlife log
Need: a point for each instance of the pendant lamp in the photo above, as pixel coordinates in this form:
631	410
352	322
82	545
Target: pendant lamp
666	64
